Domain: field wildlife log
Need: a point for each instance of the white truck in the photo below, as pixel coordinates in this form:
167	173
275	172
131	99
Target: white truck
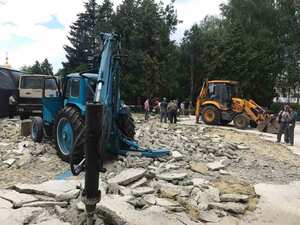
30	94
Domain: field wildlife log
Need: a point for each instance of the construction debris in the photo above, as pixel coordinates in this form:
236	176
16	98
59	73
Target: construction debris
197	184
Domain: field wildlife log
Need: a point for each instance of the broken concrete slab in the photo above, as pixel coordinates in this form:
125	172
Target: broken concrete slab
232	207
9	162
128	176
217	165
50	188
234	198
120	212
5	204
26	127
164	202
177	155
199	182
16	198
140	191
53	221
139	183
67	196
170	176
209	216
45	204
199	167
18	216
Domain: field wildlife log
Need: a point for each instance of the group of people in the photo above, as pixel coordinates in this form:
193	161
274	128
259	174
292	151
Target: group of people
287	119
168	110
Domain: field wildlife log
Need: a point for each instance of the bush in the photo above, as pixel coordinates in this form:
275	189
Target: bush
276	107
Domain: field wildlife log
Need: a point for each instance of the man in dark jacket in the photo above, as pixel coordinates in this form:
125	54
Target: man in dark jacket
292	124
283	119
163	110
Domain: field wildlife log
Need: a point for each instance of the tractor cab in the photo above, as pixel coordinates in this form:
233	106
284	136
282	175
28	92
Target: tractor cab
222	92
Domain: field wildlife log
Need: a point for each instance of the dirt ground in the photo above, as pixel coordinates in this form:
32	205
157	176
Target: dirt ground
265	161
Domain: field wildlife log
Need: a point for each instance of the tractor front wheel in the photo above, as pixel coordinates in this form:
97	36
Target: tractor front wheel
37	131
211	115
67	126
241	121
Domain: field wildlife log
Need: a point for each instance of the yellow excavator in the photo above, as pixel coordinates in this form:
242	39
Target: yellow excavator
219	104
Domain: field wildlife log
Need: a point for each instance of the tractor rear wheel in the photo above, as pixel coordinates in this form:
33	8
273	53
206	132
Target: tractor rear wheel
211	115
67	126
241	121
126	123
37	131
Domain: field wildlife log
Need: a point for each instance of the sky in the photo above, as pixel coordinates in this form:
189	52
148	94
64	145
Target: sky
35	29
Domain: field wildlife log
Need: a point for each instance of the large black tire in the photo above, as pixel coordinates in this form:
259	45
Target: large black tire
225	122
125	123
253	124
70	115
210	115
24	116
37	131
241	121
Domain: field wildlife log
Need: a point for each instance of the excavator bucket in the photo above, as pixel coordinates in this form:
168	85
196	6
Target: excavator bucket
270	125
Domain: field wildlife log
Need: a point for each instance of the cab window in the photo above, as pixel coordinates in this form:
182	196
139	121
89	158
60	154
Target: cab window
73	88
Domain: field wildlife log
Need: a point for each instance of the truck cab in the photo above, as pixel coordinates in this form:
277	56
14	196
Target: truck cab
30	93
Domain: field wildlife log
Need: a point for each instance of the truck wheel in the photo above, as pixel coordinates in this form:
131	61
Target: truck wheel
211	115
24	116
67	126
241	121
37	132
126	123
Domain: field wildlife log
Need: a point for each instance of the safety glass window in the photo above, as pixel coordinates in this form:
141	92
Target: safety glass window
74	88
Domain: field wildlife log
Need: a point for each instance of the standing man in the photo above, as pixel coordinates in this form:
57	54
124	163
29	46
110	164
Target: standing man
12	106
283	119
291	125
172	110
147	108
163	110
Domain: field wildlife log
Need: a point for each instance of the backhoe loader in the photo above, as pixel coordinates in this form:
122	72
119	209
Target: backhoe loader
219	104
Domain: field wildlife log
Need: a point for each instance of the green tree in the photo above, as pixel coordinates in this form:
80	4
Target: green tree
81	52
44	68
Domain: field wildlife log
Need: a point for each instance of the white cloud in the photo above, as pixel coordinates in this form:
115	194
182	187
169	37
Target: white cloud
21	18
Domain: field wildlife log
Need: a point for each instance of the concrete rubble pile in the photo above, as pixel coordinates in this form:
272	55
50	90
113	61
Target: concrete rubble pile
191	186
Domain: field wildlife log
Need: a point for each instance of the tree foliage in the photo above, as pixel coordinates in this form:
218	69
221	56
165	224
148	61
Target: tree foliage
253	41
44	68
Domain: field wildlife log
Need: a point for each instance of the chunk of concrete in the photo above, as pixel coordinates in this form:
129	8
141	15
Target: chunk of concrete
209	216
199	167
26	128
177	155
216	165
67	196
139	183
199	182
9	162
232	207
45	204
140	191
128	176
50	188
53	221
120	212
18	216
234	198
171	176
164	202
4	204
16	198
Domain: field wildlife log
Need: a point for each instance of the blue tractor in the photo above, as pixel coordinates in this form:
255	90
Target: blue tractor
64	115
